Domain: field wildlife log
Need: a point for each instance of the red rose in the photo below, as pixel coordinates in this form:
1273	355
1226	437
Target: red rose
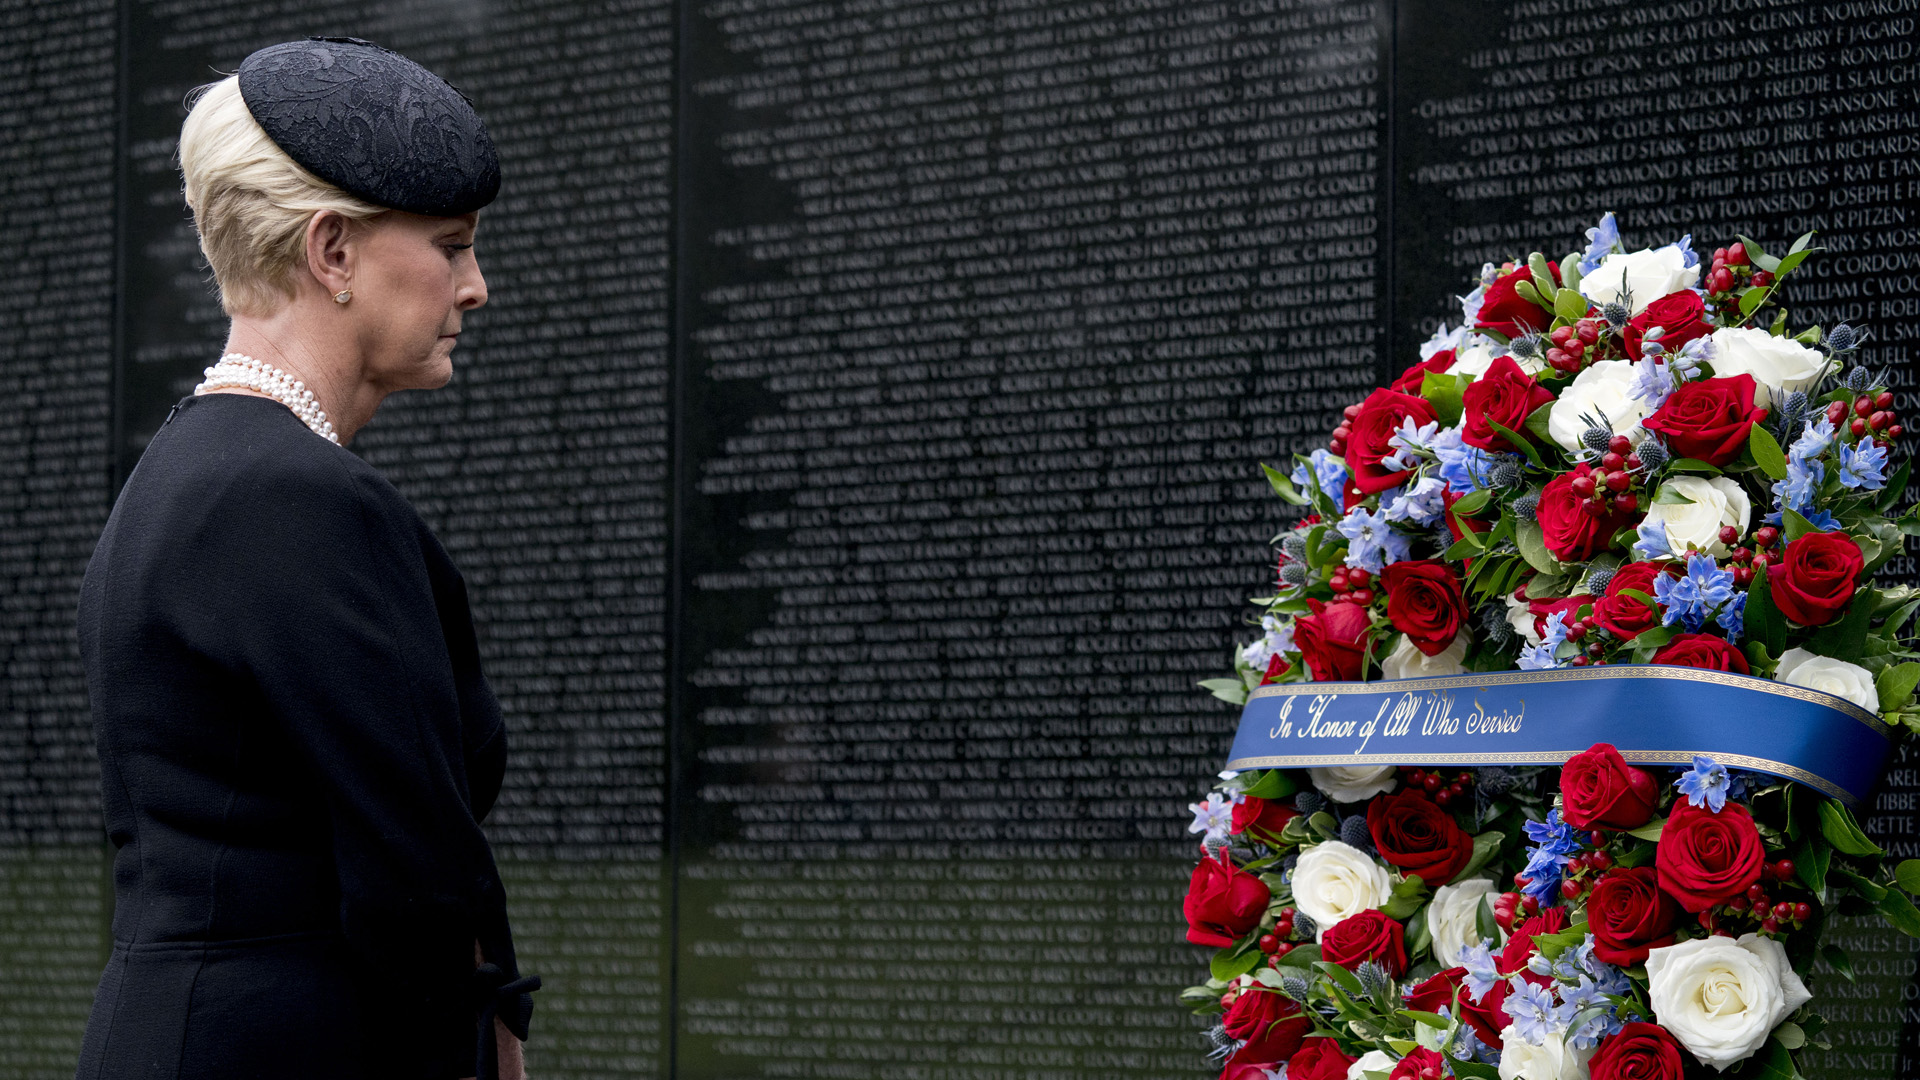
1247	1070
1271	1023
1709	419
1370	935
1706	858
1503	311
1223	903
1629	915
1599	790
1277	666
1438	992
1505	395
1376	422
1319	1058
1267	815
1418	837
1624	616
1681	315
1333	640
1703	651
1572	534
1814	583
1638	1051
1410	379
1569	606
1519	948
1421	1064
1424	602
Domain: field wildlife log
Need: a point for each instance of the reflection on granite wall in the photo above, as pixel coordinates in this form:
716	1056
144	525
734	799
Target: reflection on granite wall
853	471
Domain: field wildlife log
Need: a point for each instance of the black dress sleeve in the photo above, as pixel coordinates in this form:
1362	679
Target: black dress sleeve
338	627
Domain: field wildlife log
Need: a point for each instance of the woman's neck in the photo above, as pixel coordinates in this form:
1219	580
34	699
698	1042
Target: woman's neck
330	370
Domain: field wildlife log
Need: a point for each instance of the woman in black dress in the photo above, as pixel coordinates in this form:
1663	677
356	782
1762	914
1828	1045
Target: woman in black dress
296	742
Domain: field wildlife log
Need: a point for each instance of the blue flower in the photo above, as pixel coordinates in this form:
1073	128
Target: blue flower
1684	246
1601	240
1600	1021
1372	542
1653	540
1555	835
1693	599
1706	784
1481	974
1538	658
1802	484
1607	978
1863	466
1443	340
1653	382
1329	470
1465	468
1531	1009
1470	303
1733	617
1424	504
1813	441
1555	843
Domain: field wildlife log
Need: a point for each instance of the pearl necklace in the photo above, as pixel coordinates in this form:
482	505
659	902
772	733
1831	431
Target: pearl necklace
239	369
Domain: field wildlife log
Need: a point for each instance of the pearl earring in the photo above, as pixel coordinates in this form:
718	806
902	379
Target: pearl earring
343	296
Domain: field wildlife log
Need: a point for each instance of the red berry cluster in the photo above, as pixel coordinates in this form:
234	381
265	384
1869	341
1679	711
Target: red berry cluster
1773	915
1356	584
1570	345
1507	904
1277	943
1579	630
1871	413
1730	267
1338	444
1745	560
1605	489
1585	869
1433	785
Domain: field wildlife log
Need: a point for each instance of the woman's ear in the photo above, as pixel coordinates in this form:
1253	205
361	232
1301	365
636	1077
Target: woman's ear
330	250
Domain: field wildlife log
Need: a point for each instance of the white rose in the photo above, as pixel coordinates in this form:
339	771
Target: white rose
1521	1060
1520	617
1777	364
1717	501
1333	880
1371	1061
1406	661
1721	997
1352	783
1604	390
1475	359
1452	919
1799	667
1647	274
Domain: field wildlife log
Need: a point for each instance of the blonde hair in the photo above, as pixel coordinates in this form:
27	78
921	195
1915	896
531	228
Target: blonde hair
251	202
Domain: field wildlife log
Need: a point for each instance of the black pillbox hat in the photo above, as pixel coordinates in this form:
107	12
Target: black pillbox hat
374	124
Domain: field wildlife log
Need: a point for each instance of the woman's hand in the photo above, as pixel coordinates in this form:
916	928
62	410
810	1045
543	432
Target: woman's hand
513	1065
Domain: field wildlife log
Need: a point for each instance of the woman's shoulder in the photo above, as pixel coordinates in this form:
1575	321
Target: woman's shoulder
222	457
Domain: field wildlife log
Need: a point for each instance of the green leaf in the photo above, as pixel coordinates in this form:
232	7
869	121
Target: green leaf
1469	545
1843	832
1908	875
1791	261
1774	1063
1432	1020
1790	1035
1419	934
1649	831
1668	496
1444	392
1838	959
1764	622
1542	272
1533	547
1230	963
1569	305
1537	421
1232	690
1844	638
1273	784
1324	824
1570	271
1864	887
1695	465
1484	923
1525	290
1896	487
1797	526
1520	442
1302	956
1755	255
1485	847
1344	979
1766	452
1408	894
1751	298
1901	913
1282	486
1474	1070
1895	685
1810	861
1473	502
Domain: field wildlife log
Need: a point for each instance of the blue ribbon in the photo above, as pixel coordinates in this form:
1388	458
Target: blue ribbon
1654	714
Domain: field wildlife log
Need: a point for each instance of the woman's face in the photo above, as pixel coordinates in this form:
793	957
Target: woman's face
414	279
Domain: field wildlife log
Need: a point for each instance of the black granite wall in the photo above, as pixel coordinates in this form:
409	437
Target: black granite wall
854	468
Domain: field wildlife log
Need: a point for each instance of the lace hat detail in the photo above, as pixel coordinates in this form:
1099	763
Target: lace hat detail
374	124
